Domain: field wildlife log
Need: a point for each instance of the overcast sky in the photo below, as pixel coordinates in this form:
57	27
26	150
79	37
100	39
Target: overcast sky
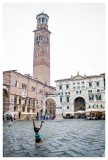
77	39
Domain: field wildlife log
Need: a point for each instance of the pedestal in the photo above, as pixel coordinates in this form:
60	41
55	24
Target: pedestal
58	114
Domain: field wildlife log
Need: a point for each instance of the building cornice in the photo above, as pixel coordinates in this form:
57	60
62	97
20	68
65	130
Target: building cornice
42	29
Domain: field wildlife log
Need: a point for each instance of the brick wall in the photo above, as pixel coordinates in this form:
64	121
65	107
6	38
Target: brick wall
41	59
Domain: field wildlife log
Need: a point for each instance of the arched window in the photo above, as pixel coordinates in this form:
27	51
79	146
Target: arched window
15	100
43	20
37	38
40	37
38	54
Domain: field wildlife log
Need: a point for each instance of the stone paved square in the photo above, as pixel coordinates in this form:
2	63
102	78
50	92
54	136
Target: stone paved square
70	138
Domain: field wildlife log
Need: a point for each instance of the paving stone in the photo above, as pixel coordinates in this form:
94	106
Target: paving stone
73	154
7	152
83	139
55	144
55	154
50	148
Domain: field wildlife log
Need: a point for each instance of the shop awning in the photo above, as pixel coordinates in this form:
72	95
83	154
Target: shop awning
95	110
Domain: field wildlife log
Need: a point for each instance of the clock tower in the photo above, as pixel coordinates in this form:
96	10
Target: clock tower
41	58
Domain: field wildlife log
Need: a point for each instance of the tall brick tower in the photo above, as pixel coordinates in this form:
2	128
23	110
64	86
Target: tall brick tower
41	58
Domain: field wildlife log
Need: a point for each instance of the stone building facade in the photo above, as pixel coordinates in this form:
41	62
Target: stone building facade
23	95
81	92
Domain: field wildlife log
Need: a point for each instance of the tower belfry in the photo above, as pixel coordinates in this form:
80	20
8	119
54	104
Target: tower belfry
41	58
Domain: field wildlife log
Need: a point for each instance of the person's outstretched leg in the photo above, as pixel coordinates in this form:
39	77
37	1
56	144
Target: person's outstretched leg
33	123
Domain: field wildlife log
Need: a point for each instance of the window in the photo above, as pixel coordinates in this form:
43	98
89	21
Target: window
78	92
15	100
90	84
25	101
97	106
60	99
34	103
67	93
74	85
61	93
89	91
60	87
98	90
38	54
33	89
19	100
78	84
40	37
83	84
43	20
97	83
67	86
37	38
91	97
101	106
46	39
29	102
67	107
98	97
67	99
89	106
24	86
16	84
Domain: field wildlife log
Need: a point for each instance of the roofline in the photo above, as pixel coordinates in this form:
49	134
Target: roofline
10	71
42	14
30	78
72	79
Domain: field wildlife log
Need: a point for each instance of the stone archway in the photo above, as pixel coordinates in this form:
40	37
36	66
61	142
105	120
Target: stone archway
79	104
57	108
50	106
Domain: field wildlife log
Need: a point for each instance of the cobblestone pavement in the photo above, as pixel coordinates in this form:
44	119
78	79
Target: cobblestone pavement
70	138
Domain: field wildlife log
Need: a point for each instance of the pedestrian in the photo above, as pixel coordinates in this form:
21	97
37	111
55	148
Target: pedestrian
14	117
36	130
48	116
11	119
